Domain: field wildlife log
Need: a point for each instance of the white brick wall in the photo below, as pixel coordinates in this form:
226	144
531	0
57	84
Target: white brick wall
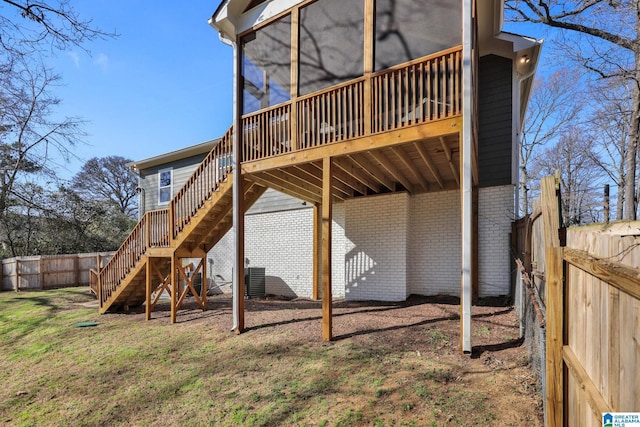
384	247
282	243
495	215
338	250
434	244
376	257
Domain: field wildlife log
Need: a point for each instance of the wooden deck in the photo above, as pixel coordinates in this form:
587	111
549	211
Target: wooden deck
395	130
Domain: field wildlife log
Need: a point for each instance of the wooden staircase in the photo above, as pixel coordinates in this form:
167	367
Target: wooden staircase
392	130
199	215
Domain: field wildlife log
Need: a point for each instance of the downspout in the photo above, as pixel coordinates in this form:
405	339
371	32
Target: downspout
237	216
518	119
141	201
141	193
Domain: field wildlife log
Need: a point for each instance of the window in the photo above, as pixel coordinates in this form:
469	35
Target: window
411	29
165	186
266	66
331	44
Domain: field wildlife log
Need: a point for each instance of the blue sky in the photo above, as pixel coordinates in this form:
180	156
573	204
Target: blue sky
163	84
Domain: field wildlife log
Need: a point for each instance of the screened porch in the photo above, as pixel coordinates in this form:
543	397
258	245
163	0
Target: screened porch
328	72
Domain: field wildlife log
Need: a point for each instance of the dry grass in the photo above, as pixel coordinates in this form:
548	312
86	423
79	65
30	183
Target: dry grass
127	371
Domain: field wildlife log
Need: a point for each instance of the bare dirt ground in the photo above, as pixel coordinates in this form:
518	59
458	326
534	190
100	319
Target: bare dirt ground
427	328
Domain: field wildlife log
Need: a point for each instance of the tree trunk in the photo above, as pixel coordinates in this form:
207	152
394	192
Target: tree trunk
620	190
524	190
630	202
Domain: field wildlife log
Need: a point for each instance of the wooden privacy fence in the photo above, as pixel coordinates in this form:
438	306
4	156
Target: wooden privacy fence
593	325
589	280
50	271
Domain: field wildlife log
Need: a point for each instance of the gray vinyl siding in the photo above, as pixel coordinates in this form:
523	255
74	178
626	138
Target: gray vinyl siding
271	200
182	170
495	145
275	201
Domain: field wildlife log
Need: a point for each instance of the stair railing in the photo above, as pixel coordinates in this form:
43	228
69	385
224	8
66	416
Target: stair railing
125	258
155	227
203	183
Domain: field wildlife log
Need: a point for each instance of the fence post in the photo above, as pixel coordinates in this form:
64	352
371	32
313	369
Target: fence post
41	267
18	274
554	414
550	212
76	268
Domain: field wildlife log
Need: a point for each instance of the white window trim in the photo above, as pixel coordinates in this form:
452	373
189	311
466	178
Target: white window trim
170	186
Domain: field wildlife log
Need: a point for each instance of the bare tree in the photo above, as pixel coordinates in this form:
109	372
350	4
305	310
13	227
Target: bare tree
30	134
551	110
572	156
108	179
608	45
608	127
30	26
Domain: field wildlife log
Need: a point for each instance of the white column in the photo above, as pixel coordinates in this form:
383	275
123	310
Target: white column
467	177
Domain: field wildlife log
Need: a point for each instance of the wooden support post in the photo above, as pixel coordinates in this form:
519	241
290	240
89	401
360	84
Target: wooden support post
174	288
147	230
99	284
203	283
327	294
554	273
147	303
317	241
172	224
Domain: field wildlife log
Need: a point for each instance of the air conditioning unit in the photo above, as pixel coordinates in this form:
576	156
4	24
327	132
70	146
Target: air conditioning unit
254	282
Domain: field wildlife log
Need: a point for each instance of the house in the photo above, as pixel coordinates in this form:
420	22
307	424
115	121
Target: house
392	127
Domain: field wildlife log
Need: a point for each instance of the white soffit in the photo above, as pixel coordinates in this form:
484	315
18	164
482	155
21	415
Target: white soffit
230	19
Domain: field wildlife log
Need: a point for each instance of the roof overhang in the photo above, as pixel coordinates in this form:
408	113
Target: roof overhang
173	156
232	17
526	55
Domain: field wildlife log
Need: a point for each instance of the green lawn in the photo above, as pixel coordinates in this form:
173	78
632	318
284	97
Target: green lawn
126	371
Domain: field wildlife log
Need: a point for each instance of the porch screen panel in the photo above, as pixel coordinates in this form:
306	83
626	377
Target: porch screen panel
331	43
410	29
266	66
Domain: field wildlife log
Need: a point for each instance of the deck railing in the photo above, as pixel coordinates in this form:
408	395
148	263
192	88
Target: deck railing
421	91
331	116
413	93
267	133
